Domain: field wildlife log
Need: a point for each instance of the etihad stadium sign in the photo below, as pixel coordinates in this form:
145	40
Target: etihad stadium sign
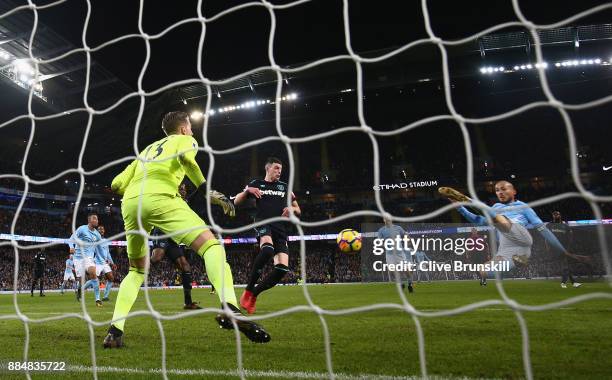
405	185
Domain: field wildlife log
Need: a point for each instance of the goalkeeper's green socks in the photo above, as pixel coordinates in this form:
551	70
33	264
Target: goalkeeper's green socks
218	270
128	291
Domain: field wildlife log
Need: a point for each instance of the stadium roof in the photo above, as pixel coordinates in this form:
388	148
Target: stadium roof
63	80
568	38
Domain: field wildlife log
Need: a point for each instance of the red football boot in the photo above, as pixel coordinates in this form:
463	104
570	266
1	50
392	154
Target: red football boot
247	301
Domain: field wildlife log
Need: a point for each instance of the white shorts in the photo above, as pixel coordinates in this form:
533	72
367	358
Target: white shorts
68	276
81	265
102	269
516	242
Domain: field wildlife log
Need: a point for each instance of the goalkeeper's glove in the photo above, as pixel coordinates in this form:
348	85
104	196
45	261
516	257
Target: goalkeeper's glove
219	199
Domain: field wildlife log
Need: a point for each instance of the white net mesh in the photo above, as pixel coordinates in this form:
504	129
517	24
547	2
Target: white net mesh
282	137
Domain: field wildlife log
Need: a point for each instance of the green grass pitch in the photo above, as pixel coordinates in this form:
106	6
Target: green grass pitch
573	342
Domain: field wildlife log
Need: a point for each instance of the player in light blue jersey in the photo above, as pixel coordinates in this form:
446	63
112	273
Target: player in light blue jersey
396	256
419	257
84	253
69	275
105	264
511	222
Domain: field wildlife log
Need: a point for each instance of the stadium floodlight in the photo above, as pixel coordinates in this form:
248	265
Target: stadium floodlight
516	68
583	62
502	68
523	67
489	70
23	67
558	64
293	96
196	115
597	61
211	111
38	87
482	70
575	62
590	61
530	66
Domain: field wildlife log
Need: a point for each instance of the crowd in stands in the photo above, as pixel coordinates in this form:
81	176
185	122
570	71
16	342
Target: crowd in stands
323	262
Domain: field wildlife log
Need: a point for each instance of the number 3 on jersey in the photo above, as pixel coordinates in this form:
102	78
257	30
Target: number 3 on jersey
158	150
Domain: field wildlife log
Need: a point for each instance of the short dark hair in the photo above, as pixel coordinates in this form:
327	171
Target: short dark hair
89	215
273	160
173	120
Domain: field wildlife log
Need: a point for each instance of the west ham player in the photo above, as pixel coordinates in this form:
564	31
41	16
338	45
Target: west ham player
69	275
84	256
40	260
514	240
149	189
396	256
270	196
105	264
564	233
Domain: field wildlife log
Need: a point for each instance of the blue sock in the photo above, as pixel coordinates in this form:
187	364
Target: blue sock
96	286
88	284
107	289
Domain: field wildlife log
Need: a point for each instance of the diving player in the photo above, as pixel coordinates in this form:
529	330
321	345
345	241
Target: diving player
510	221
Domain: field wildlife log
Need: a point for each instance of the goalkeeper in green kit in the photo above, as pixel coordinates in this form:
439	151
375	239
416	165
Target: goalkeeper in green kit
168	161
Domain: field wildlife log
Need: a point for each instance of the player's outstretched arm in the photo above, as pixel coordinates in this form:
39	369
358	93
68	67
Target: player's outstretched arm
473	218
192	169
121	181
549	237
248	191
219	199
294	205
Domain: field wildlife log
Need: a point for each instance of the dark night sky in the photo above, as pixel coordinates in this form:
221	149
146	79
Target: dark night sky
238	42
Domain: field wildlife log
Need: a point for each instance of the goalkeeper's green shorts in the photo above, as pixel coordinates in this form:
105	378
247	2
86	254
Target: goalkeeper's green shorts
171	214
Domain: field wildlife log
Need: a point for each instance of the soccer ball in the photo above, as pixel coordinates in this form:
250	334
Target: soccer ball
349	241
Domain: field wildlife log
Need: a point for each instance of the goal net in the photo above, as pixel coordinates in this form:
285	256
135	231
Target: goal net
32	66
